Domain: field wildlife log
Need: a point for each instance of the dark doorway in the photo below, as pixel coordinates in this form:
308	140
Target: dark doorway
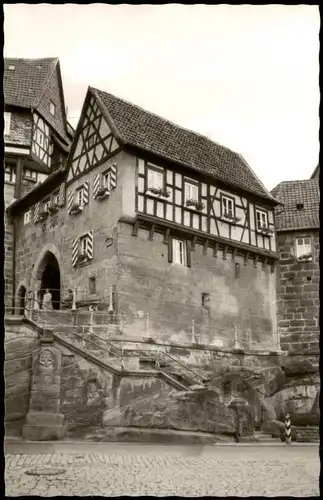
51	279
21	300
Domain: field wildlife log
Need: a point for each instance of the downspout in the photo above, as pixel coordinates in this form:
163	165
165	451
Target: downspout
14	220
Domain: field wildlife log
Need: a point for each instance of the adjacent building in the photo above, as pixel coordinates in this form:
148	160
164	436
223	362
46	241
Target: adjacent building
298	276
151	218
37	137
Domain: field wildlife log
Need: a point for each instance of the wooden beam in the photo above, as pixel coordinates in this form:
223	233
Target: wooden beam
194	238
215	249
151	232
166	236
135	228
225	249
255	260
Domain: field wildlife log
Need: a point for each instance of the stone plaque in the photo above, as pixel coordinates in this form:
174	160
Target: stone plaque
46	358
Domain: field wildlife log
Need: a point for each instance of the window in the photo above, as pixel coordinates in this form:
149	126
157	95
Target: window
299	206
155	178
83	245
56	198
30	174
80	197
92	285
191	191
52	108
27	217
46	205
227	206
106	179
261	218
7	120
205	301
303	246
179	252
10	174
40	137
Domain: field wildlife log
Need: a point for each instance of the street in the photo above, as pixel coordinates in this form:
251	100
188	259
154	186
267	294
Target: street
113	469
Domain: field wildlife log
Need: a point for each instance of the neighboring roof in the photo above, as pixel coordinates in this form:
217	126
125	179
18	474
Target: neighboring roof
138	128
38	192
291	193
23	85
316	172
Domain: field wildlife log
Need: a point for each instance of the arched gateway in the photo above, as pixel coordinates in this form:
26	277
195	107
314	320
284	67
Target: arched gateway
48	276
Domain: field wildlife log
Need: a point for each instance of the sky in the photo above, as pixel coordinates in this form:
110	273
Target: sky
245	76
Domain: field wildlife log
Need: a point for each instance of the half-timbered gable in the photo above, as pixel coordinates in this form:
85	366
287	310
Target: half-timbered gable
94	142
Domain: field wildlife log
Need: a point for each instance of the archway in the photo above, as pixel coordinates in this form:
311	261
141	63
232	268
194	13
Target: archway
49	276
21	300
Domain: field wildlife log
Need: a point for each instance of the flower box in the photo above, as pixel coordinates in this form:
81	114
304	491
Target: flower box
43	215
53	208
102	193
231	218
305	257
159	192
75	209
81	258
266	230
198	205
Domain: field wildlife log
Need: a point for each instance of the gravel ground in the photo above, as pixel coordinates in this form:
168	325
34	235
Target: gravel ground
164	471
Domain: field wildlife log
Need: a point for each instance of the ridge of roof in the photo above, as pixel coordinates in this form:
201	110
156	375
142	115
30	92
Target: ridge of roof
146	130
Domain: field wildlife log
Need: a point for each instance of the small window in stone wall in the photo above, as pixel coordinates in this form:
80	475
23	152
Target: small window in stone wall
27	217
92	284
237	270
206	301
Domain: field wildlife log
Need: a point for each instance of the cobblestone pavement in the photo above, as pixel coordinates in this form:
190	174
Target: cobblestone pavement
157	470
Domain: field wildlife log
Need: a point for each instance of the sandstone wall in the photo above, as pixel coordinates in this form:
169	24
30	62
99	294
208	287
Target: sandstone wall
21	341
298	294
173	295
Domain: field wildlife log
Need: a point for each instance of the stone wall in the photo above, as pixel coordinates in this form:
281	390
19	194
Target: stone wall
9	190
298	294
57	233
172	294
21	341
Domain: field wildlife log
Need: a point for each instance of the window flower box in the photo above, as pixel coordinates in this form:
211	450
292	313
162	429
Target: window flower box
231	218
82	257
306	257
159	192
266	230
43	215
102	193
198	205
76	208
53	208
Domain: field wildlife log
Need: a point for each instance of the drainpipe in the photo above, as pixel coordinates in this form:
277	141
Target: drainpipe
14	224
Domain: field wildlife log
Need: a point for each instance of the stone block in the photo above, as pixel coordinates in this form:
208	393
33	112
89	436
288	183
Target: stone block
44	419
43	432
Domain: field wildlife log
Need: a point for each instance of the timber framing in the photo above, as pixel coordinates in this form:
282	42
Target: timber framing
216	242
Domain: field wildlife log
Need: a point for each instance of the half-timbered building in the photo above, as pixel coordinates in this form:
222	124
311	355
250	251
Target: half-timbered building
37	136
151	218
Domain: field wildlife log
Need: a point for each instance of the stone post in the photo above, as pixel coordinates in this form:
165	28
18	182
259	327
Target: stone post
74	300
236	343
193	332
36	303
44	422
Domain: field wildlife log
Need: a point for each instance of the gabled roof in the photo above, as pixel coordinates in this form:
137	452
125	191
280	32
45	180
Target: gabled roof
24	80
135	127
291	193
24	85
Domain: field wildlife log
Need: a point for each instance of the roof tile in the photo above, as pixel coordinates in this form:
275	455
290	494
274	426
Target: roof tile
140	128
291	193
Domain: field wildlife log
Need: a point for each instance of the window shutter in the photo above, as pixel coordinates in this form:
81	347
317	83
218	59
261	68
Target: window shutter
89	246
36	211
75	251
86	193
70	200
113	176
62	194
170	249
96	184
188	253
